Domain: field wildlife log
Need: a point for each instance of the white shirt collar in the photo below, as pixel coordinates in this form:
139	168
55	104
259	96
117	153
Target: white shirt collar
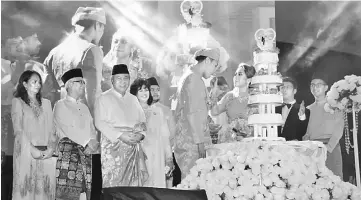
292	102
120	95
71	99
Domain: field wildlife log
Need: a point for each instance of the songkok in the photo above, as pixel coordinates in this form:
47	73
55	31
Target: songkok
211	53
91	13
73	73
153	81
320	76
120	69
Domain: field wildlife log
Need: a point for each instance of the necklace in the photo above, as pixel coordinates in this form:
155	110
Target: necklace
37	109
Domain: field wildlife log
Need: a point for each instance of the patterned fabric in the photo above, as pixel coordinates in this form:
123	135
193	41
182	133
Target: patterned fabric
190	102
122	164
33	179
237	111
61	60
73	171
7	130
74	52
227	133
157	147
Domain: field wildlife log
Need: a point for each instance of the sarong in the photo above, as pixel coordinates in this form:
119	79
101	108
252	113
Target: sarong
122	164
73	171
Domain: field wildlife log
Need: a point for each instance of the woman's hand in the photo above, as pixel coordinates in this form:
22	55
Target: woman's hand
47	154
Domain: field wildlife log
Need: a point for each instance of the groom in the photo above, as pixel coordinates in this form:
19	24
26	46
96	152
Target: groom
192	133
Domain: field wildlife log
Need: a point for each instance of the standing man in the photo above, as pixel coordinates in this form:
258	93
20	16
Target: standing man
192	132
77	140
81	50
324	126
294	115
121	120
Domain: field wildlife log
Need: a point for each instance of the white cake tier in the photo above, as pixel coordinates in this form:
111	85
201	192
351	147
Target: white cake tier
265	99
265	119
265	57
266	66
266	139
266	79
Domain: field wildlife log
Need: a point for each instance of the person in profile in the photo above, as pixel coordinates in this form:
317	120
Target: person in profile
191	114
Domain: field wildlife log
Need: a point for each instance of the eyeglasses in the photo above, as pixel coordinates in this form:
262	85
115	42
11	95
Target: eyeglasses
317	85
80	81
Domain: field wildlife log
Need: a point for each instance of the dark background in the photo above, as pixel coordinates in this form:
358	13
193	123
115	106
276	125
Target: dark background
344	58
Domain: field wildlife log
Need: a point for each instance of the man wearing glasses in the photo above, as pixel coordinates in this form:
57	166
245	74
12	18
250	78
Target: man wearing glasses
81	50
294	114
77	139
324	126
192	132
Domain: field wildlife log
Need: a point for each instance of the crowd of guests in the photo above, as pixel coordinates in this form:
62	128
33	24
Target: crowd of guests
82	122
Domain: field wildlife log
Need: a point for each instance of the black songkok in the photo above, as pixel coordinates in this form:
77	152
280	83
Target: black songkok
73	73
120	69
153	81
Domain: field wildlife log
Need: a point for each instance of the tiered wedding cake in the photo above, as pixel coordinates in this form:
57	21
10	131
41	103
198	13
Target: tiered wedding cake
266	95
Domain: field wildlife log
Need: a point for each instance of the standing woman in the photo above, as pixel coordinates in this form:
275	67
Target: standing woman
156	143
235	104
35	141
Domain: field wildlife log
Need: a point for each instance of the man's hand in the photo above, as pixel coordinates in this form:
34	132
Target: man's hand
302	109
201	150
129	138
138	136
140	127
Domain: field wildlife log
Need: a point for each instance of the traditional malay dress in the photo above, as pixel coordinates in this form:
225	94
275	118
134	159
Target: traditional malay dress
122	164
191	100
328	128
75	128
34	179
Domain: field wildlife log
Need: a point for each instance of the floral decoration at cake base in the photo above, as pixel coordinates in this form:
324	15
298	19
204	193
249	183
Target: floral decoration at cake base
258	171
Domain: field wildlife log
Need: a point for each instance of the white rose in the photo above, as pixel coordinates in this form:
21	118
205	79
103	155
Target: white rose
216	164
356	98
344	101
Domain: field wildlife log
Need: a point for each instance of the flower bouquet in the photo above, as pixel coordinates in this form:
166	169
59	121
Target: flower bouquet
345	95
257	170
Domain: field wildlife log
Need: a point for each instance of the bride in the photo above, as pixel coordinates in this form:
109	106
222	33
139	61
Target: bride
235	104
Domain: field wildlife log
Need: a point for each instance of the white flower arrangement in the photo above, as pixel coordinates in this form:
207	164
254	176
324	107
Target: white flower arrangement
343	93
262	171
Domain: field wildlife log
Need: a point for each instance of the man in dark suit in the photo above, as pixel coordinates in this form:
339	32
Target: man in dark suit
295	115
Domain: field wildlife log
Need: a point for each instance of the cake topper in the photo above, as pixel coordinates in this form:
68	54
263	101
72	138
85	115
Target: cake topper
265	39
191	12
